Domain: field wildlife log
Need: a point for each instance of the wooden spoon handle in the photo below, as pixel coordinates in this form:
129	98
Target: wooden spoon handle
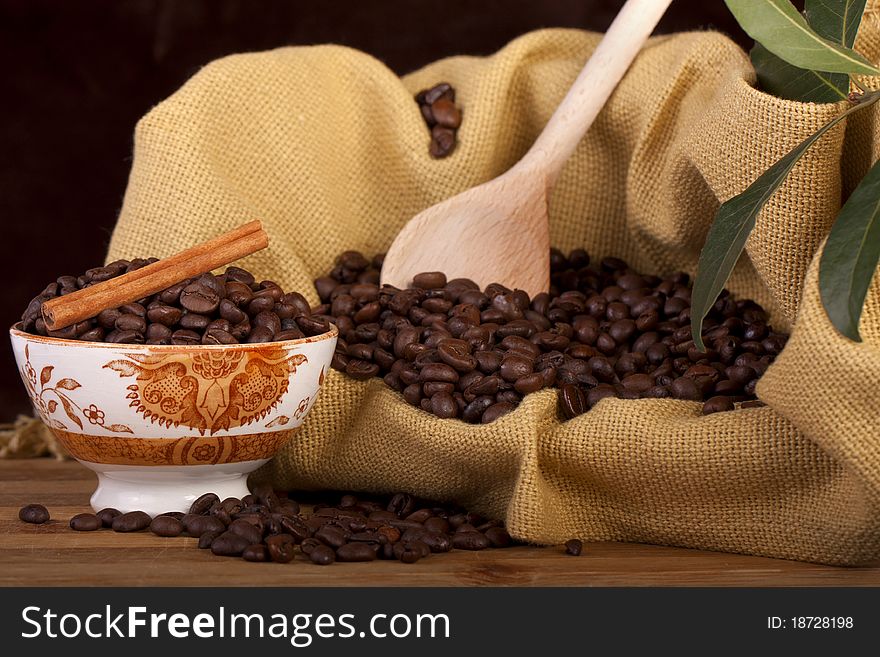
592	88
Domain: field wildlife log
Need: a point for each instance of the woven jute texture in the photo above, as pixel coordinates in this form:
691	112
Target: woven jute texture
328	148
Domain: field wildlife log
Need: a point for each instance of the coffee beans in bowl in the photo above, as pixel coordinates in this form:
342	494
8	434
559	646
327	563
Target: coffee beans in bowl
229	308
602	331
215	372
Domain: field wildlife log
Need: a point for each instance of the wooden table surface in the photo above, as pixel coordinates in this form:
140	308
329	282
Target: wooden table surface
54	555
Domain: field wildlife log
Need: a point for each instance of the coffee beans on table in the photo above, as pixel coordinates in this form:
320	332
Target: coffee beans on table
264	526
108	515
166	526
35	514
442	117
85	522
574	547
133	521
603	330
210	309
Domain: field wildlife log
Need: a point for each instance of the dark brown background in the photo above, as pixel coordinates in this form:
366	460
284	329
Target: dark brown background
78	75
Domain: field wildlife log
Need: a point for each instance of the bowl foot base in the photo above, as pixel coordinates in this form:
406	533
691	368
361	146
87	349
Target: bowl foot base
159	489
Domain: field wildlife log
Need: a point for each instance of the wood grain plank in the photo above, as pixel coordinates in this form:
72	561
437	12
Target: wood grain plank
53	555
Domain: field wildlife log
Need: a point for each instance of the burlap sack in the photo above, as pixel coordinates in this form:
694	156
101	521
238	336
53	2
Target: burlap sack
327	147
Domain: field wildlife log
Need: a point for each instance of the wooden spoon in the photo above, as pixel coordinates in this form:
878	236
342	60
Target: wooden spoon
498	231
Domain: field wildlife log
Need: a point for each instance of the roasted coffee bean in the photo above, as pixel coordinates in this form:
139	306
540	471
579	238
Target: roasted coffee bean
203	504
437	525
207	538
199	298
600	392
36	514
418	546
442	141
156	334
133	521
85	522
322	555
473	412
436	542
685	388
355	552
717	404
438	372
495	411
456	354
445	113
281	548
310	544
574	547
332	536
217	336
246	530
229	544
443	405
406	553
260	334
107	516
256	552
123	337
198	525
429	280
470	540
361	370
130	322
514	367
529	383
572	401
401	504
166	526
638	383
498	537
185	337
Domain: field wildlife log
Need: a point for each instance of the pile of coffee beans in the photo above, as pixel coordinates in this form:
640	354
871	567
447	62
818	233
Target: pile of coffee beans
226	309
437	105
603	330
264	526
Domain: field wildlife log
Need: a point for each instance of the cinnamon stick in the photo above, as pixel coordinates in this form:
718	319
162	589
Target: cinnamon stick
218	252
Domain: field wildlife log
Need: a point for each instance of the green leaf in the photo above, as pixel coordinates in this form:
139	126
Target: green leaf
783	31
735	220
783	80
835	20
851	255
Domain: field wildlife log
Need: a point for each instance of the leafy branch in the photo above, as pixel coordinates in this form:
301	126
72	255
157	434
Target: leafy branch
808	58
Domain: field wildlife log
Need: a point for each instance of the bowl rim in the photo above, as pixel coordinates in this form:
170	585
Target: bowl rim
16	331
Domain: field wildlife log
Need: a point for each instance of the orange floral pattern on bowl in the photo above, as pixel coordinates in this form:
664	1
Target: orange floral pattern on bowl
192	450
210	391
53	400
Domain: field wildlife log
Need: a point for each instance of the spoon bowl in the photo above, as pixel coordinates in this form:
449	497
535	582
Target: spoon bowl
502	222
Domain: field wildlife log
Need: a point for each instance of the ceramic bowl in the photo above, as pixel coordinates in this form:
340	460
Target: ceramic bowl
161	425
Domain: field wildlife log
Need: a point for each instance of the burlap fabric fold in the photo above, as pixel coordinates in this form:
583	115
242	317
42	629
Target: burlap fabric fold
327	147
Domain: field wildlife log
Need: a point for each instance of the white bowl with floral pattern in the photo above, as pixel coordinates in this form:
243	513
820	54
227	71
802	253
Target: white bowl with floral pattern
161	425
